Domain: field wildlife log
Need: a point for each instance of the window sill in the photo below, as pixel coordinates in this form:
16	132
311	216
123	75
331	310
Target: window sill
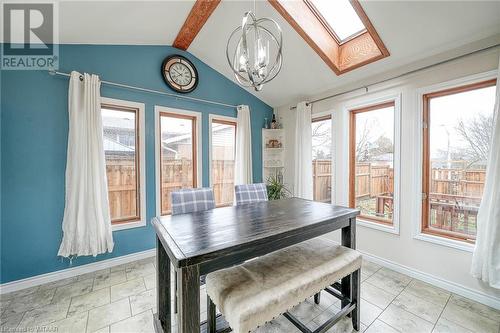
128	225
393	229
456	244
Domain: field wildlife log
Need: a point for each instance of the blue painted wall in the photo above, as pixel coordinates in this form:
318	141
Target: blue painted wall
34	130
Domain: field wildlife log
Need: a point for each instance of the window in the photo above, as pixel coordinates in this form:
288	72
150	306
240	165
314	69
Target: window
340	17
122	144
339	31
371	165
458	125
322	158
223	144
178	155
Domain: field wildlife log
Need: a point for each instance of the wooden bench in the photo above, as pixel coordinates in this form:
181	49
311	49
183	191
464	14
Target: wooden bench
258	291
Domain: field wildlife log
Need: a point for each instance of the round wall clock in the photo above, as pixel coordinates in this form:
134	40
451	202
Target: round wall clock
179	73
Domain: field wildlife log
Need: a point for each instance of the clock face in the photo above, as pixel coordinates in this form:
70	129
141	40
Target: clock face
179	74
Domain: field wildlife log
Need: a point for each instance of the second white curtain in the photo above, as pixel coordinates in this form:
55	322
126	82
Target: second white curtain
486	257
86	223
243	156
303	178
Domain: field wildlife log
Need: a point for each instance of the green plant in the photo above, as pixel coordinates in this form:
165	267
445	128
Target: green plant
276	190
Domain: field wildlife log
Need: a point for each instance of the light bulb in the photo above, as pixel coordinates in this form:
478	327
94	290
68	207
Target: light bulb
262	53
242	60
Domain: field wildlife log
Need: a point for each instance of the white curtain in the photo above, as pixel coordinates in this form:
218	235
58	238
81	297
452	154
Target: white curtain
86	223
243	156
486	257
303	178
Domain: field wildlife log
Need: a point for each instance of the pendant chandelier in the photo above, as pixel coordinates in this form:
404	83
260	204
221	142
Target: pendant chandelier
249	50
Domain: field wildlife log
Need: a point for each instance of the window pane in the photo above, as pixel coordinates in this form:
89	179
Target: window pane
177	165
460	132
223	148
340	16
322	159
120	132
374	154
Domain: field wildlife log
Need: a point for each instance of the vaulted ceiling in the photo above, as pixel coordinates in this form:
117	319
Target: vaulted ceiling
411	30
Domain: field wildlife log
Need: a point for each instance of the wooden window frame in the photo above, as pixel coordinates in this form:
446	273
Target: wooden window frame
224	121
194	151
341	56
352	159
425	208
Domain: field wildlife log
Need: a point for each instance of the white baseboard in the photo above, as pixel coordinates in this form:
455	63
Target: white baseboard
74	271
453	287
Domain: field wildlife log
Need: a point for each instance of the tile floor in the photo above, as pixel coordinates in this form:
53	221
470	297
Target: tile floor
122	299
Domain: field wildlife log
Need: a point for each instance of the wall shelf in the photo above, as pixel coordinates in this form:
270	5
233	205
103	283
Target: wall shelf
273	158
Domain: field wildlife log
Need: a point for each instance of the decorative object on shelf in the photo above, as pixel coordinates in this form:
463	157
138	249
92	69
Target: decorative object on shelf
274	124
273	143
276	189
179	73
266	124
250	55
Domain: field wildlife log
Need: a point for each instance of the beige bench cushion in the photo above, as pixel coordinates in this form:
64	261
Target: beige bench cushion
257	291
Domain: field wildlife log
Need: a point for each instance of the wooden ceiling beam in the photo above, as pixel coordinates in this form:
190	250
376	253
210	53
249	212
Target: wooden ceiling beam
198	16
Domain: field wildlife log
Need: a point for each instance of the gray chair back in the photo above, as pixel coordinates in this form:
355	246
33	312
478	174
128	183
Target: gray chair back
190	200
250	193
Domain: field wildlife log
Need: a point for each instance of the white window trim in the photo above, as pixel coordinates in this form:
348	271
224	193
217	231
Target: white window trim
199	148
334	165
394	228
417	206
142	161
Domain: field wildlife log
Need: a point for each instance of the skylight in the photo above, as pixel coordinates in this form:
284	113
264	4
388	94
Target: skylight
340	16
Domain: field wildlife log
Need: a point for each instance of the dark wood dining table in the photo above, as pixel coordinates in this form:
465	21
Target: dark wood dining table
198	243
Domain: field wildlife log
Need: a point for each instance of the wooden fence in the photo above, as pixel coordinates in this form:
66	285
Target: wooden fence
322	180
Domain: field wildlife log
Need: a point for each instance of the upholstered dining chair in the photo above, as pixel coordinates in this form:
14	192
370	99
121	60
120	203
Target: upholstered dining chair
249	193
190	200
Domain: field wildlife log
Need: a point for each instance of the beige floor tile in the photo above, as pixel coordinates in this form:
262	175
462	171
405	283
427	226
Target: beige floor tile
103	330
109	279
376	295
150	281
89	301
126	289
343	326
419	306
380	327
28	302
369	267
405	321
9	323
469	319
108	314
144	301
44	315
74	289
369	312
278	325
4	304
73	324
92	275
389	280
140	323
475	307
445	326
306	312
428	292
140	269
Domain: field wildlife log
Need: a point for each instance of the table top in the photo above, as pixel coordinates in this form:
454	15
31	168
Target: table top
194	237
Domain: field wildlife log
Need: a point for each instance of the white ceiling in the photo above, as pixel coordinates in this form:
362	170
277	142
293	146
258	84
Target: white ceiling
411	30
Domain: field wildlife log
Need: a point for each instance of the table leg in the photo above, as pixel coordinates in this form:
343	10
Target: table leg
163	287
188	291
348	240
